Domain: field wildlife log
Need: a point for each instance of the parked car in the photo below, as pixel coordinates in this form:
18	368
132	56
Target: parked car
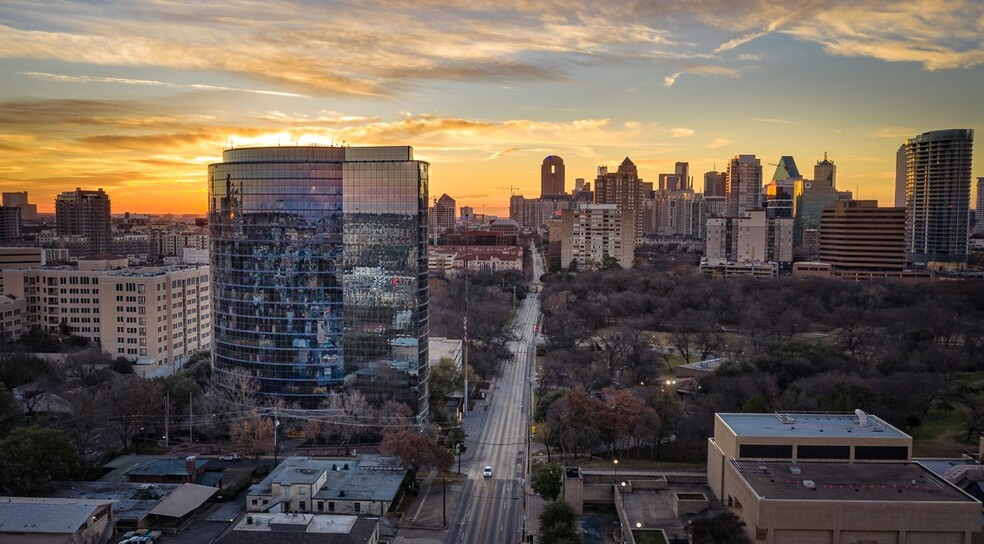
229	457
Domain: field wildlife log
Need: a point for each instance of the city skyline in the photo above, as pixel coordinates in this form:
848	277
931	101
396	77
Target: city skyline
138	99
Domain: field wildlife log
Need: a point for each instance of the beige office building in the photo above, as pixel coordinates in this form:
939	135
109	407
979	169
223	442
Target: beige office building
832	478
154	316
858	235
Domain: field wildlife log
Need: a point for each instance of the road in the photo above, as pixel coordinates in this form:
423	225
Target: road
491	510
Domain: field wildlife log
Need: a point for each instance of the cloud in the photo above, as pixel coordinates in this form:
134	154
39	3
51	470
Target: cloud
680	132
894	133
718	142
151	83
773	121
702	70
501	153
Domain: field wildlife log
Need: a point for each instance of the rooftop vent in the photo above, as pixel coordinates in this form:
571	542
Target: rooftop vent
862	418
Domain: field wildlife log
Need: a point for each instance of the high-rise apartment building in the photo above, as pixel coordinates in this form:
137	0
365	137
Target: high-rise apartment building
753	237
552	176
900	169
445	210
937	197
857	235
10	224
319	263
85	213
980	206
29	212
623	188
154	316
715	183
592	232
744	184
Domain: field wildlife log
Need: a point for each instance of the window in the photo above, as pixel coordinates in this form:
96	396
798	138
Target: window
765	451
331	506
302	506
823	452
357	506
881	453
321	506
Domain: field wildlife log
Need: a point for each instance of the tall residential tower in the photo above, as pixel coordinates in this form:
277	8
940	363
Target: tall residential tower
85	213
937	198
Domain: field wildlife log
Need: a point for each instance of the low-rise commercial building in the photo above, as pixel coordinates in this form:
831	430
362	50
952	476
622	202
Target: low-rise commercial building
30	520
302	529
832	478
365	485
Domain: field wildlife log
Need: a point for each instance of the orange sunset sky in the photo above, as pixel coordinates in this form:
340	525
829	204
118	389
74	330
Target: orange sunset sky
138	97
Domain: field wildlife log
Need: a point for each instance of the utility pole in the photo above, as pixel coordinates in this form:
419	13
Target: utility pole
191	420
167	411
444	501
276	446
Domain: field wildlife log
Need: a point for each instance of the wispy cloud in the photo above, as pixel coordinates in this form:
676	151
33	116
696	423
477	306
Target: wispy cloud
680	132
151	83
501	153
894	133
702	70
718	142
773	121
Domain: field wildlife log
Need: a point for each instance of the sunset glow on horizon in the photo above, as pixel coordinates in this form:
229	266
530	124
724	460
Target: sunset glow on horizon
139	97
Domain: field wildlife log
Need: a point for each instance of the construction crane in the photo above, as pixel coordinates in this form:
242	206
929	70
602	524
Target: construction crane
512	190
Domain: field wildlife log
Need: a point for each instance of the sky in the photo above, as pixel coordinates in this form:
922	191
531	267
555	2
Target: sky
139	97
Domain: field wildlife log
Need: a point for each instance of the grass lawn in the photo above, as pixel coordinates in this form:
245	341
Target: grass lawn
941	434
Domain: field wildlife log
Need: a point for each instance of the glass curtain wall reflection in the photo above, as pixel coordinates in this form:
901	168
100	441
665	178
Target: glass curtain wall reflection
320	271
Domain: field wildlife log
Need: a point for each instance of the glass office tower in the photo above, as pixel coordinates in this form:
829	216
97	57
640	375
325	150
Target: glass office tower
319	267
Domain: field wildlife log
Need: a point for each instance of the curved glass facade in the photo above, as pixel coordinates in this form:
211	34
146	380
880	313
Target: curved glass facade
319	267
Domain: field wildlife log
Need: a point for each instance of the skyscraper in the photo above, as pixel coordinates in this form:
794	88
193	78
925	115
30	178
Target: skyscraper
552	176
85	213
319	263
445	210
744	184
937	198
715	183
825	172
682	170
29	212
779	192
623	188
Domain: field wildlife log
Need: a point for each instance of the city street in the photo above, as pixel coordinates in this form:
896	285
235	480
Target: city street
492	509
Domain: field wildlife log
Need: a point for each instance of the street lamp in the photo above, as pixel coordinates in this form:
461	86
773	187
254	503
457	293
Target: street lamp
615	461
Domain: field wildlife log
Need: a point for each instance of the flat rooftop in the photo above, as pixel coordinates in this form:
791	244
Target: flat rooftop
313	523
908	482
832	425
